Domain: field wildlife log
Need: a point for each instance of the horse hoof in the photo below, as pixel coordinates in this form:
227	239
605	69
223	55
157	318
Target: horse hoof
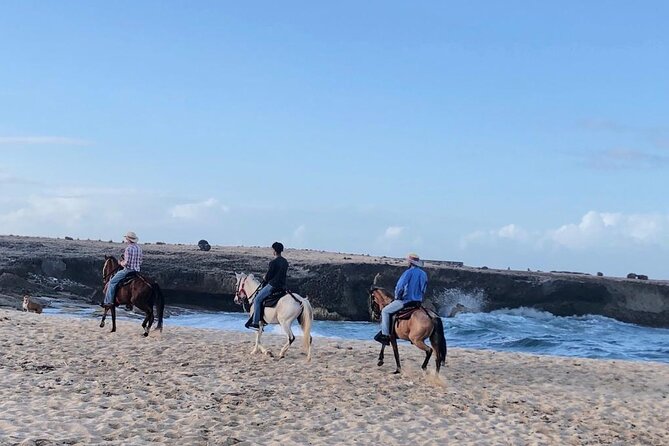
145	334
397	372
380	363
113	331
270	354
102	325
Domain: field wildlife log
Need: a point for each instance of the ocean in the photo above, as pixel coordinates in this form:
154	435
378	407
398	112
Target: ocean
516	330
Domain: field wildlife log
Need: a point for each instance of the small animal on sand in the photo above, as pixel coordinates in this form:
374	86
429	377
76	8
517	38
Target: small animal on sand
30	306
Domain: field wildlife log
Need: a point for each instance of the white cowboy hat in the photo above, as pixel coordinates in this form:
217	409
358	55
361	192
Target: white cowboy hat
414	259
131	236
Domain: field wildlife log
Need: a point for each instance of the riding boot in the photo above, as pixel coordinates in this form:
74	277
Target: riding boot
250	324
383	339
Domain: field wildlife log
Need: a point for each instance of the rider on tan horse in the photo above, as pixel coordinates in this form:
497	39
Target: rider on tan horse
410	287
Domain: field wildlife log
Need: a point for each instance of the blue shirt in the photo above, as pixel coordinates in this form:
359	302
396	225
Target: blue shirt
412	285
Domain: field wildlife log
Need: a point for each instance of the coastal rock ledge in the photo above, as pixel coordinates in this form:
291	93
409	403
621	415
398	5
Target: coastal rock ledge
335	283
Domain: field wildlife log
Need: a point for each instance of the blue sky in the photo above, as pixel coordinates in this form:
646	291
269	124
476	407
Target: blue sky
506	134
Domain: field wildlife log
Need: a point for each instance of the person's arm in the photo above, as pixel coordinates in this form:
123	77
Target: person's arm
271	272
401	287
126	255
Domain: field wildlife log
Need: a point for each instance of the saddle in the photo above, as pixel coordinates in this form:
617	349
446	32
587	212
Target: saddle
406	312
127	279
273	298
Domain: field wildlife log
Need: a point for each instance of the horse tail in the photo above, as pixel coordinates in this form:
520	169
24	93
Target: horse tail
438	341
160	305
305	318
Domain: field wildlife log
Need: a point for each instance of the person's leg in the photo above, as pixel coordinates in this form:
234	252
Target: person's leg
387	312
113	283
257	302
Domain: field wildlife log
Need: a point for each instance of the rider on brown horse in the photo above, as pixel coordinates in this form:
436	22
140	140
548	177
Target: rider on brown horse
131	262
410	287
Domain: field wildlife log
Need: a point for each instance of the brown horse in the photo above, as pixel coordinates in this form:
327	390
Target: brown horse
140	292
421	325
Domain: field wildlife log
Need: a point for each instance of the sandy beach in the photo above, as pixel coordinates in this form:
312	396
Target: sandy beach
66	381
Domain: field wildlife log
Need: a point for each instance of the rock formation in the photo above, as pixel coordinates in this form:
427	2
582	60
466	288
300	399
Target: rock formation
337	287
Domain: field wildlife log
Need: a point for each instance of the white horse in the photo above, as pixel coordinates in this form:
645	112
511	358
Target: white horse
290	307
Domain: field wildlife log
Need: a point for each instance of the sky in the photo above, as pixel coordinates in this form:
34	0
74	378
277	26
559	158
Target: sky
507	134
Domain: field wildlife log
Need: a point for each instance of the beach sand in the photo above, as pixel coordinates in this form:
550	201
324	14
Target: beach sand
67	381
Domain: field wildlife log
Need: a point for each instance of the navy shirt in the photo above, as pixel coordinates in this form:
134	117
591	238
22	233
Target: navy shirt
276	274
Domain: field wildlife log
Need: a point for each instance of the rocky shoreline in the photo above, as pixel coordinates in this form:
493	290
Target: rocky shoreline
336	283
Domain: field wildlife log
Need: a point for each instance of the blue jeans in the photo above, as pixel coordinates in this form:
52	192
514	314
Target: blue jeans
257	302
113	283
387	312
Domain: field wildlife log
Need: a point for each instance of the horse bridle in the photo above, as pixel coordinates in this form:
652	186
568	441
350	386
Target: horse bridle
105	277
245	299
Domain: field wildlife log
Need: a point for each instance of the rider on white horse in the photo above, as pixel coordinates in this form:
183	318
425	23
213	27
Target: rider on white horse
275	279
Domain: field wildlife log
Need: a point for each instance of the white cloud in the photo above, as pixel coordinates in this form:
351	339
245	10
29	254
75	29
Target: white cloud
393	232
42	140
513	232
65	211
595	229
191	211
612	229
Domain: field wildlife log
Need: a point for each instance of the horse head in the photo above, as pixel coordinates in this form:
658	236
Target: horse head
245	287
240	292
378	298
110	266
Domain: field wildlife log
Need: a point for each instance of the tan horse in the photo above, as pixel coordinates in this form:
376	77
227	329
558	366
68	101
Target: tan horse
421	325
290	307
140	292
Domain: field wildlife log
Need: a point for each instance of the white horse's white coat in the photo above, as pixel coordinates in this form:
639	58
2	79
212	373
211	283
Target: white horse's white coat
284	313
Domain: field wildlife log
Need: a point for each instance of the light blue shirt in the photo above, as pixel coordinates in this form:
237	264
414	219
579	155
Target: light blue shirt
412	285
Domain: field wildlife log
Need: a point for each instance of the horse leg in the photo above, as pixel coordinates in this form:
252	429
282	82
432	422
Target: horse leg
420	343
104	316
113	312
380	363
148	319
291	337
393	342
258	345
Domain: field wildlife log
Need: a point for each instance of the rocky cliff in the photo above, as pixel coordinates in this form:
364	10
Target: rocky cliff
336	283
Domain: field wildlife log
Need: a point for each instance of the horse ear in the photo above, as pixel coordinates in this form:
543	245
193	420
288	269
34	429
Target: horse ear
237	276
106	257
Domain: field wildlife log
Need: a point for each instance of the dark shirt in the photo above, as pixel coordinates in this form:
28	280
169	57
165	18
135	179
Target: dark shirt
276	274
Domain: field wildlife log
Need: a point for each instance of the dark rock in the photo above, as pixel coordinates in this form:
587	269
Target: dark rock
631	276
204	245
69	238
642	277
600	274
457	309
13	284
160	243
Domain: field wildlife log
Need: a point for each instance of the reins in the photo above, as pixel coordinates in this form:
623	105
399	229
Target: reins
105	278
247	298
